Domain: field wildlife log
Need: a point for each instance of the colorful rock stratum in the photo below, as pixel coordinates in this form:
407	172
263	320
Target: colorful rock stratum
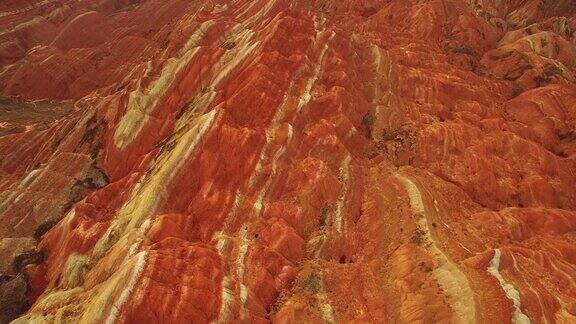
311	161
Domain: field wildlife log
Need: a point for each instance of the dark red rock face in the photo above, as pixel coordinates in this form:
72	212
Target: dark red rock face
176	161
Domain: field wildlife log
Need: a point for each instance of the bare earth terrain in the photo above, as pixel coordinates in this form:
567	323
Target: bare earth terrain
314	161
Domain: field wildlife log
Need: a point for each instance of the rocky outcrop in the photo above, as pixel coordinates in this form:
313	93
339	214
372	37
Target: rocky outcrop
288	161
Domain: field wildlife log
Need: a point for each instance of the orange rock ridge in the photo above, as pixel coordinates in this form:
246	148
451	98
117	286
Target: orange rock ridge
400	161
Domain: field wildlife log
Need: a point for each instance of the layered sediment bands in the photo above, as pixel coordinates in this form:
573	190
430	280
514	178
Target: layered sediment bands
288	161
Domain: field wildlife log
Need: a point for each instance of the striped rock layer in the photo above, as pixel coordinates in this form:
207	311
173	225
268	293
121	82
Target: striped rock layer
400	161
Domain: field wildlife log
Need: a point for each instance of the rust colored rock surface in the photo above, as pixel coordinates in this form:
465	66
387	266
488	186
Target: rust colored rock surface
399	161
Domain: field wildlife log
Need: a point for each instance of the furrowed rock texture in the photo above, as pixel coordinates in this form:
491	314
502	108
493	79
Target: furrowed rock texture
252	161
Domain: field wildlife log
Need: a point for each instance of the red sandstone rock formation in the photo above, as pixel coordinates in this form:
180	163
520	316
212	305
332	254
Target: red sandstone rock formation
400	161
